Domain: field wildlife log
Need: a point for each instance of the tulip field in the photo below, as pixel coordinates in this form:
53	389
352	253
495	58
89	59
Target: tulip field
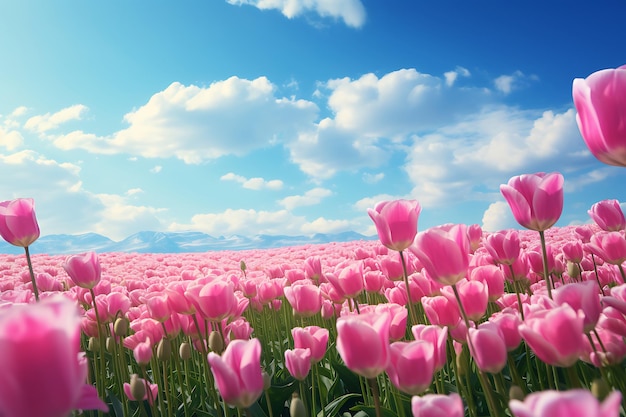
449	321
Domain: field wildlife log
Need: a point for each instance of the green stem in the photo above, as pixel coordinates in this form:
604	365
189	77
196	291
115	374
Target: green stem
546	273
373	382
412	318
32	273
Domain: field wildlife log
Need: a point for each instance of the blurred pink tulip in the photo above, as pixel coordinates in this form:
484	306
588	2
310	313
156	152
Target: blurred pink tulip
298	362
313	268
573	251
18	224
572	403
437	405
411	366
444	253
601	105
84	269
238	372
508	321
610	246
441	310
583	296
608	214
536	200
399	315
43	371
363	342
313	337
475	236
396	222
488	347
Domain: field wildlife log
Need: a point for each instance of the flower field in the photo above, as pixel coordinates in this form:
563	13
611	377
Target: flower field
451	321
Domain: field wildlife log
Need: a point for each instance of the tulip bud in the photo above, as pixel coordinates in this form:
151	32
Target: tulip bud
94	345
516	393
296	408
120	328
184	351
600	389
573	270
267	381
137	387
462	362
242	266
216	343
109	344
164	350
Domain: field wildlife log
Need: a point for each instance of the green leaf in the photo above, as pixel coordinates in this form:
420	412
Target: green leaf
334	407
116	408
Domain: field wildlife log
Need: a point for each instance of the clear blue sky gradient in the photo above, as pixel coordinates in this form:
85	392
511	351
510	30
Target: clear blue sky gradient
293	117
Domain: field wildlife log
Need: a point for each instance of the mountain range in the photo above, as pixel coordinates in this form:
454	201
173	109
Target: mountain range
171	242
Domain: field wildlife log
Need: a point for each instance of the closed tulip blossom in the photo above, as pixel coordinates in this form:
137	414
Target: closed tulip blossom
572	403
139	390
84	269
581	296
237	372
298	362
305	299
43	371
314	338
444	253
536	200
488	347
601	114
610	246
608	215
411	366
437	405
396	222
18	223
503	246
437	337
214	300
363	343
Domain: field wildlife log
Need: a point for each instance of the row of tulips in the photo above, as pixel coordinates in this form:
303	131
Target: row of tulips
449	321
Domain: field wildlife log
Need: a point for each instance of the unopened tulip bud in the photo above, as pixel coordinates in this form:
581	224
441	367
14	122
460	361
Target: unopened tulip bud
296	408
516	393
164	350
120	327
109	344
242	265
462	362
94	345
184	351
573	270
600	389
267	381
216	343
137	387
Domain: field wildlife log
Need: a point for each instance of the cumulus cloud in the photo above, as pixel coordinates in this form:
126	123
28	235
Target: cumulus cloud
507	83
256	183
310	198
351	12
195	124
10	139
451	76
118	219
498	216
49	121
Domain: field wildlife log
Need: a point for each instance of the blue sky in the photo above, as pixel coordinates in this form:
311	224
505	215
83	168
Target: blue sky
294	116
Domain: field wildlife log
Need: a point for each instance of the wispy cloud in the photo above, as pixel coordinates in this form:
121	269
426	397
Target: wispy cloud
256	183
310	198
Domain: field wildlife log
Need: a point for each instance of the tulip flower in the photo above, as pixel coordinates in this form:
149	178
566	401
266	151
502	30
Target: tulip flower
610	246
572	403
298	362
503	246
18	224
84	269
437	337
238	372
411	366
536	200
396	222
601	105
437	405
444	253
581	296
363	342
608	215
214	300
43	371
312	337
487	347
305	299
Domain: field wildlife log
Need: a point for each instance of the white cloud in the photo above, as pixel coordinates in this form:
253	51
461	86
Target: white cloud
369	178
10	139
156	169
322	225
310	198
118	219
256	183
48	121
452	76
507	83
497	217
351	12
194	124
134	191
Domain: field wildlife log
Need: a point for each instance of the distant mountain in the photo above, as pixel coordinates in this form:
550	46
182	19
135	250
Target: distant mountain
172	242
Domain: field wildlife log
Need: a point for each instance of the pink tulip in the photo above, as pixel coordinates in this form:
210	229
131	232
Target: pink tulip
84	269
608	215
581	296
508	321
573	251
441	311
444	253
572	403
399	315
43	371
411	366
238	372
363	343
474	296
215	300
305	299
503	246
312	337
396	222
601	106
475	236
18	224
313	268
555	335
349	280
610	246
536	200
493	277
437	405
488	347
437	337
298	362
